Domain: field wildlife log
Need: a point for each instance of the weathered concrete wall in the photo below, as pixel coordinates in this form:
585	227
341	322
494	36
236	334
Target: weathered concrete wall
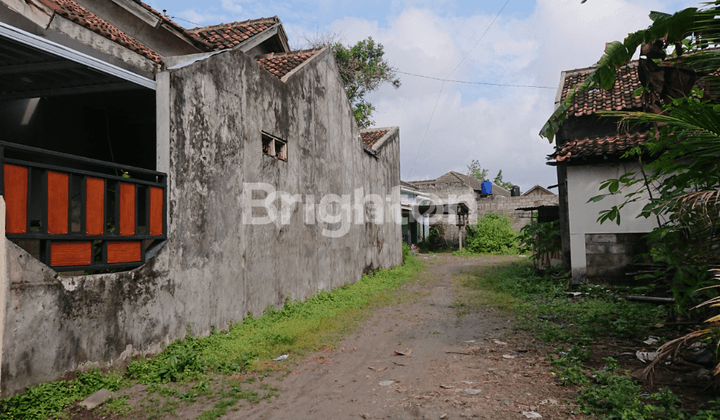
214	268
583	182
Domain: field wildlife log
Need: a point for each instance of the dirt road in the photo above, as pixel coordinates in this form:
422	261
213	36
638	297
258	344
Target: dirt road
470	366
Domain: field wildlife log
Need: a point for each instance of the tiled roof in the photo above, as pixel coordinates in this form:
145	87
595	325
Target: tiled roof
471	181
598	146
81	16
369	138
619	98
281	64
228	35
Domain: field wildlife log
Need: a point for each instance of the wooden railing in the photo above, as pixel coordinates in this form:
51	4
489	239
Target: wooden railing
79	213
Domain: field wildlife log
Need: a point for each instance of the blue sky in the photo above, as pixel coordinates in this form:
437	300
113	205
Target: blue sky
530	43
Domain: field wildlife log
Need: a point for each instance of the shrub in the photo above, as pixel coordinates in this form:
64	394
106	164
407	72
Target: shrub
493	234
405	251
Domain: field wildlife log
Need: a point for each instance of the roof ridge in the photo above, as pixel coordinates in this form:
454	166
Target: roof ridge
187	33
283	63
289	53
273	19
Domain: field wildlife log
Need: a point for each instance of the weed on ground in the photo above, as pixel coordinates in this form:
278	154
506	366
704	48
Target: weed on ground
575	323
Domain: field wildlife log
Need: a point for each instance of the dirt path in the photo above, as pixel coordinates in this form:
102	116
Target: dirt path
454	367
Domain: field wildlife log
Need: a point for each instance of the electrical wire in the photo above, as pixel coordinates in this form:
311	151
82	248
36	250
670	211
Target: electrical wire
443	86
475	83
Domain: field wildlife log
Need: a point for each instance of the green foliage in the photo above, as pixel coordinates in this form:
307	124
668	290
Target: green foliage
493	234
363	69
541	305
46	400
476	170
500	183
405	251
542	238
679	183
435	239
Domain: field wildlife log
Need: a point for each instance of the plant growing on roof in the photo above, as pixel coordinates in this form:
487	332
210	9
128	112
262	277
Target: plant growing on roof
363	69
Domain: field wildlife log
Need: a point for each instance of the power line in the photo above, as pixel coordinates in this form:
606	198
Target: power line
443	86
475	83
184	20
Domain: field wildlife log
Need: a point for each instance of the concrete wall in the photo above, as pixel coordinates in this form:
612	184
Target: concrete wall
214	269
583	182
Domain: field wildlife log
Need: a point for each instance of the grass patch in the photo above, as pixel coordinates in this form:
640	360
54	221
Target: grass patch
296	329
541	305
47	400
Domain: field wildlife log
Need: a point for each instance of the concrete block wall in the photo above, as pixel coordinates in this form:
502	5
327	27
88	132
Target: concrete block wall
508	206
608	256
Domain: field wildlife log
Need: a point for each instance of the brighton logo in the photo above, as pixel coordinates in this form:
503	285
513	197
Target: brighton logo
262	204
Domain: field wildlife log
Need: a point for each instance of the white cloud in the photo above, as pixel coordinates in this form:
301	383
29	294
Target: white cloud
497	125
194	18
234	6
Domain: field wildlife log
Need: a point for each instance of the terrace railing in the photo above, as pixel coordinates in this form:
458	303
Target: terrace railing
75	213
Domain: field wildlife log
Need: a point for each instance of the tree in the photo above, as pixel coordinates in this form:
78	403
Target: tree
500	183
474	169
363	69
477	171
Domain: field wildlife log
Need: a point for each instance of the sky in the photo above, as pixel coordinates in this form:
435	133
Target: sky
444	126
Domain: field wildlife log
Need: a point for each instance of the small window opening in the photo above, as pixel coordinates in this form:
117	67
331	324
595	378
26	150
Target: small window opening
275	147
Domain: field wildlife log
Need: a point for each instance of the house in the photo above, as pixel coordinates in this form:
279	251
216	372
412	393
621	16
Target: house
538	191
456	187
589	151
415	226
213	171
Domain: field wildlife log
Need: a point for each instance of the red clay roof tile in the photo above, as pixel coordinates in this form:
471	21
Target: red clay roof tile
228	35
81	16
598	146
619	98
369	138
281	64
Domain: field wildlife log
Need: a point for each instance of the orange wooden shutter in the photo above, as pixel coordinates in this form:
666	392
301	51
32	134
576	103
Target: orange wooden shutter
94	206
64	254
127	209
156	211
57	211
122	252
16	189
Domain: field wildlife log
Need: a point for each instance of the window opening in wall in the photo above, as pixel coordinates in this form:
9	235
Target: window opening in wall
275	147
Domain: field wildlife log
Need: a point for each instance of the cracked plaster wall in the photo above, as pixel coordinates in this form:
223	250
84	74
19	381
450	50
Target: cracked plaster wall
214	269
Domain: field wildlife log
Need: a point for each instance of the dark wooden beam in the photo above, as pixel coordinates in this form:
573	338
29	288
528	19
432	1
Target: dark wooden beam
39	67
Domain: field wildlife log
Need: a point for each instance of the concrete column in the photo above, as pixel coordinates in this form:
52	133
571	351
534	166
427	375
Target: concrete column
162	134
4	278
